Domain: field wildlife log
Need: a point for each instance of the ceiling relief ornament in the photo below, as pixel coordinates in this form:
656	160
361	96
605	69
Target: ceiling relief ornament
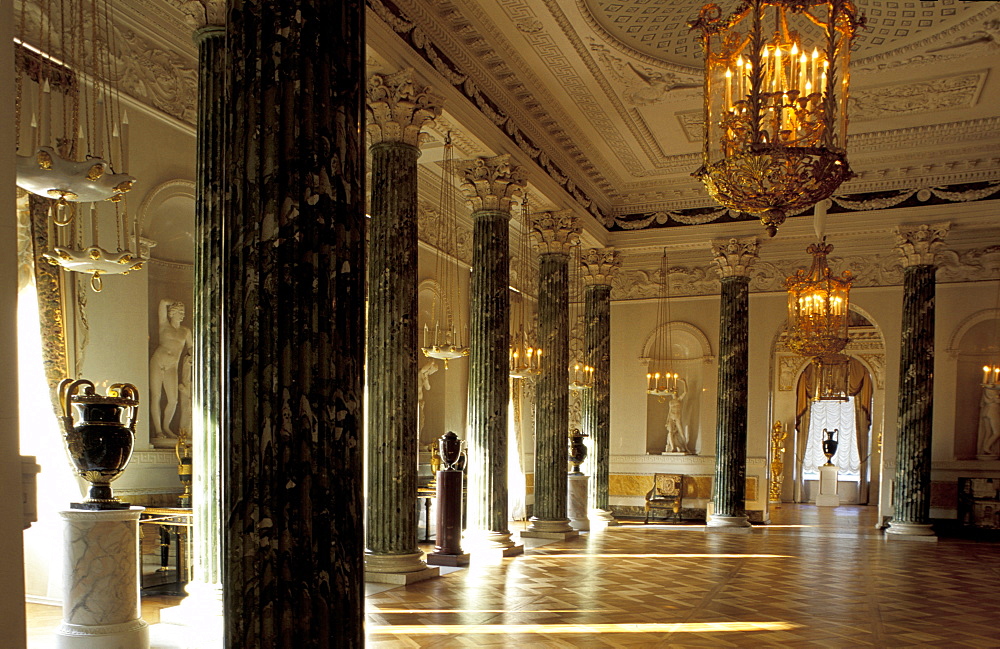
645	85
421	44
429	229
144	69
876	365
789	368
917	97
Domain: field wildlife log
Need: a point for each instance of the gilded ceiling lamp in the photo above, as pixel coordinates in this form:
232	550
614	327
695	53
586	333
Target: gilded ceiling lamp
448	339
661	380
776	91
72	137
818	306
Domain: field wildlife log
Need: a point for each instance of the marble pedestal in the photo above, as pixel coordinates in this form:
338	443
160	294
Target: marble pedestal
576	502
827	496
101	588
397	569
554	529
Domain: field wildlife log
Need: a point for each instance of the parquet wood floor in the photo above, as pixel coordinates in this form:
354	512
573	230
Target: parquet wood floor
816	577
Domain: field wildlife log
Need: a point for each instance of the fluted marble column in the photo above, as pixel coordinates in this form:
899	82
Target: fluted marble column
489	184
203	605
733	259
293	332
397	109
555	233
598	266
911	494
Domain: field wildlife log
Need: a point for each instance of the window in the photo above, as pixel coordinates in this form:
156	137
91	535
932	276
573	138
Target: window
831	415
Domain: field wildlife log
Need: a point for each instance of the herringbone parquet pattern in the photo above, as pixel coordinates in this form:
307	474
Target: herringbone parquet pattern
818	577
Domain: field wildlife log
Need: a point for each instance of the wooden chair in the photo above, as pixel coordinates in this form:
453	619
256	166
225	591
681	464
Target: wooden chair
665	494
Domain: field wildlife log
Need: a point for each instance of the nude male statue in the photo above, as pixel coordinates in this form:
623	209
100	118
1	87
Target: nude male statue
163	375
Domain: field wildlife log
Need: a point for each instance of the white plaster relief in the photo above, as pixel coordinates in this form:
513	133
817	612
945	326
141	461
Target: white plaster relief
916	97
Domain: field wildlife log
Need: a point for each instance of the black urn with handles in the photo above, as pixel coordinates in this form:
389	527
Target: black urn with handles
830	444
99	433
577	450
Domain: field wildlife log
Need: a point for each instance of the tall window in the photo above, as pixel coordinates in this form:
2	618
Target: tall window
831	415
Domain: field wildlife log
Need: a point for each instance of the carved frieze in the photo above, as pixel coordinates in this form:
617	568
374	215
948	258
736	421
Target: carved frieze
916	97
201	13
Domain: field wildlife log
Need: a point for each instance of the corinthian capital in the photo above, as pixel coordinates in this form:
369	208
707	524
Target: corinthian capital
491	183
202	13
555	232
918	245
398	108
598	265
733	258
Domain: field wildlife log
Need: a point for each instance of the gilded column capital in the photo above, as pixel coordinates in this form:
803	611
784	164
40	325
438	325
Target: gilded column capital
555	232
917	246
200	14
599	265
397	108
491	183
734	257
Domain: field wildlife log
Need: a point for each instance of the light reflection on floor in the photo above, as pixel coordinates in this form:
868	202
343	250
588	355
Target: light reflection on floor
690	627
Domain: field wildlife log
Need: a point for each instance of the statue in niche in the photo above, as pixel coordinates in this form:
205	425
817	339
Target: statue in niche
164	377
423	384
989	423
676	431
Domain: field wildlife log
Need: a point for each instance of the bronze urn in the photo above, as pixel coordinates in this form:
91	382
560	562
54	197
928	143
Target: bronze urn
577	450
99	433
830	444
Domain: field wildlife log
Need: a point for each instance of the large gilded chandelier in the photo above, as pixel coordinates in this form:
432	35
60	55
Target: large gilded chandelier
72	136
818	322
776	91
524	354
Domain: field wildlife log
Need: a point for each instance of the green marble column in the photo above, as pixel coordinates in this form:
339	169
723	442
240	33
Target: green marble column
489	184
598	268
293	331
911	493
733	260
397	109
555	233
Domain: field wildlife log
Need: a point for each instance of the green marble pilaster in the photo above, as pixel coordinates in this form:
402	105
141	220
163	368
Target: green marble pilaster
597	401
911	493
731	406
552	397
734	259
489	390
293	331
489	184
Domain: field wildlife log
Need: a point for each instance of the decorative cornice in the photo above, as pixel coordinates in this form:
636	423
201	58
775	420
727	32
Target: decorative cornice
918	246
555	232
397	108
599	266
735	257
421	44
491	183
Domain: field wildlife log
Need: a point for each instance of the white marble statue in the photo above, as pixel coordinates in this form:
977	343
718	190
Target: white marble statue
164	377
989	423
676	438
423	384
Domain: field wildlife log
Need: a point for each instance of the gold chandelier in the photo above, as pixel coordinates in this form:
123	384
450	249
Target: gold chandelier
661	380
818	320
75	146
581	375
524	354
447	341
776	90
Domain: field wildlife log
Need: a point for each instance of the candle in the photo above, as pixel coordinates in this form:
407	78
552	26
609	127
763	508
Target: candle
425	335
779	77
741	77
649	381
986	373
729	88
996	375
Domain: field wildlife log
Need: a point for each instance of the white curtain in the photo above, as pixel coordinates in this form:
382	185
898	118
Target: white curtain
832	415
516	487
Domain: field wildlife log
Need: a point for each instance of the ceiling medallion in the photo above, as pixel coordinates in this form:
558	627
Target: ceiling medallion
776	90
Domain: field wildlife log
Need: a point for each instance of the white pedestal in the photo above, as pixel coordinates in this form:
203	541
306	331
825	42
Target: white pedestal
827	496
576	502
101	589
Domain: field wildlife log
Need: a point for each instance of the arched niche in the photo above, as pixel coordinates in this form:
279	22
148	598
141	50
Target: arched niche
166	218
690	355
972	344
